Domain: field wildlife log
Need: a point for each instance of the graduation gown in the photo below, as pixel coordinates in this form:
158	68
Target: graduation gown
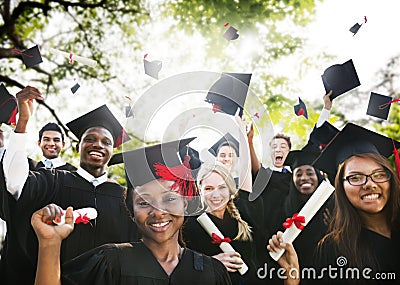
196	238
134	264
272	197
63	188
386	250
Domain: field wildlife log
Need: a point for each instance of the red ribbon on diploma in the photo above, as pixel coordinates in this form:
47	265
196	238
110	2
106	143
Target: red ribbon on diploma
297	220
82	219
216	239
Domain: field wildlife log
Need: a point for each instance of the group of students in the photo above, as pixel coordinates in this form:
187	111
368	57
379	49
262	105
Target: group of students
148	233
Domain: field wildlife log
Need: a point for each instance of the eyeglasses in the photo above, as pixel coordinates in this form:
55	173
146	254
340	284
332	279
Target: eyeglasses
361	179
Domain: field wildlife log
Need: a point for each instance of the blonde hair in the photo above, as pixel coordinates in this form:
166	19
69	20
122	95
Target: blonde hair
244	230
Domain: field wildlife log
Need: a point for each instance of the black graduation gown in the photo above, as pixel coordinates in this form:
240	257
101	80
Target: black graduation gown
134	264
196	238
386	251
63	188
272	197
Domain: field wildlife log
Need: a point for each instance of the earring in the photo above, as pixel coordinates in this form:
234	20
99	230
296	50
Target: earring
133	219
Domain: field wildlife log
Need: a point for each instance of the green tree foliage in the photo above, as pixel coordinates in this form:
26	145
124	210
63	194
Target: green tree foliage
79	27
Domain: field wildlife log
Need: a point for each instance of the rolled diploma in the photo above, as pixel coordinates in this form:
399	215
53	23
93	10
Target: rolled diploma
324	190
211	228
83	60
91	213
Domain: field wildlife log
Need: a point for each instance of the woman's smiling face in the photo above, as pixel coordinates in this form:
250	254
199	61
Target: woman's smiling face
158	211
305	179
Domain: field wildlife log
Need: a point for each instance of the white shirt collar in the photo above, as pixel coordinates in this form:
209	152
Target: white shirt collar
279	169
57	162
89	177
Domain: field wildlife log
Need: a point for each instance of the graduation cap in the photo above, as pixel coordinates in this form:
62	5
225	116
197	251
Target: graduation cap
161	161
128	111
340	78
379	105
298	158
229	92
301	109
320	137
30	57
354	29
231	34
226	140
352	140
75	88
152	68
100	117
8	107
194	161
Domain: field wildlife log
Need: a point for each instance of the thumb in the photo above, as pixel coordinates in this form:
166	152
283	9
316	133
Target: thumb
69	216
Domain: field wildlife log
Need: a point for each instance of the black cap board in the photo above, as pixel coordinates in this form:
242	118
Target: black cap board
229	92
340	78
379	105
194	161
152	68
99	117
31	57
354	29
352	140
320	137
301	109
231	34
227	139
75	88
128	111
8	106
139	163
298	158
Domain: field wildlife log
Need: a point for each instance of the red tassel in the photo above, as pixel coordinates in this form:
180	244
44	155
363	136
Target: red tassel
215	108
181	174
120	139
20	52
383	106
396	159
13	117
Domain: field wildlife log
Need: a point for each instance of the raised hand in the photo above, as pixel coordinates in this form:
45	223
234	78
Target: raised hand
25	99
288	260
46	230
327	100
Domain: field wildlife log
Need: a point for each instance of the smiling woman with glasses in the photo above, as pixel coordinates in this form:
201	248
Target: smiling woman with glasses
365	229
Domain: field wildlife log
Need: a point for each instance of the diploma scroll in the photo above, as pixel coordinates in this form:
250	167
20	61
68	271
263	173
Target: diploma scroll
83	215
324	190
211	228
74	57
